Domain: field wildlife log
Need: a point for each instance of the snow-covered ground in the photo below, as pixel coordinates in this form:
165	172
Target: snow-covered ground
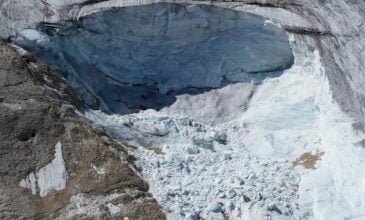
244	168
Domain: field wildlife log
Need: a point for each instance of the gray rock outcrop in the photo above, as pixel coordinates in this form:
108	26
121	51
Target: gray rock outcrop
33	120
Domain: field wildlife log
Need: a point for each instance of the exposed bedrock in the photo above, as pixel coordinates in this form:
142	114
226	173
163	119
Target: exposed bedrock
134	58
52	161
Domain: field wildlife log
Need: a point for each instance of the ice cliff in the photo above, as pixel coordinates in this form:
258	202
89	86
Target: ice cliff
135	61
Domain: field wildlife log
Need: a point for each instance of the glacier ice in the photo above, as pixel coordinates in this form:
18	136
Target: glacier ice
136	58
270	116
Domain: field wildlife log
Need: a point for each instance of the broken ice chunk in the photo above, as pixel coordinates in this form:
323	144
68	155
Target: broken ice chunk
155	129
219	137
231	194
216	207
206	144
193	150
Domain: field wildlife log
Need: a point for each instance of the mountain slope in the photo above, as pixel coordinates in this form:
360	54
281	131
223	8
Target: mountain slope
90	169
287	146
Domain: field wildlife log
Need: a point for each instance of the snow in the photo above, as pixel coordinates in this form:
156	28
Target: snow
51	177
113	209
30	182
199	165
32	34
83	204
19	50
251	176
285	18
98	170
231	149
64	3
336	190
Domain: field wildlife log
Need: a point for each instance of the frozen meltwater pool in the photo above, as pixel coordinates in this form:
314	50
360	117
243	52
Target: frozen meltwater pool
135	58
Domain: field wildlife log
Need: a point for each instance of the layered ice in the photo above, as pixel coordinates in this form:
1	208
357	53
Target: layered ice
136	58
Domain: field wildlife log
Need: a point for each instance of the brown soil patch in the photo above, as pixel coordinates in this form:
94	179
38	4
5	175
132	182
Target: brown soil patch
157	150
308	160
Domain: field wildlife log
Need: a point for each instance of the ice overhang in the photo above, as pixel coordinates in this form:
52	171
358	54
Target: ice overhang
126	59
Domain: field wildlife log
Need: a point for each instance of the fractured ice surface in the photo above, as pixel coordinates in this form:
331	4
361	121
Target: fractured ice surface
232	116
241	168
251	174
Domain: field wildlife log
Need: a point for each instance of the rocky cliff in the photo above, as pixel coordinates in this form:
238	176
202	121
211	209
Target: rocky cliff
63	161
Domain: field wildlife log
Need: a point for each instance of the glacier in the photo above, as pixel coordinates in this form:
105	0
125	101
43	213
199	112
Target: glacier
225	141
151	53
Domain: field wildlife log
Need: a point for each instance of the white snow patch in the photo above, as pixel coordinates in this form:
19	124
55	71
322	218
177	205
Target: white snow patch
19	50
33	35
113	209
98	170
277	15
63	3
30	182
89	206
51	177
336	189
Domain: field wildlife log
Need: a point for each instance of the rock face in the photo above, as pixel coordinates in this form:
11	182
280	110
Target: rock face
45	145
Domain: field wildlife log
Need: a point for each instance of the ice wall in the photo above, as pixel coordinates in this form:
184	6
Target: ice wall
127	59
